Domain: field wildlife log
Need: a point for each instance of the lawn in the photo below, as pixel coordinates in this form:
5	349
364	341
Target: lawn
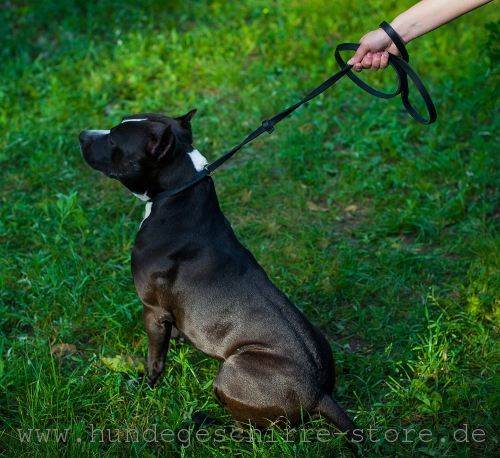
384	232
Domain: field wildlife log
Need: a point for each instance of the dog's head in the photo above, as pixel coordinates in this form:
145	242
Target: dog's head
135	149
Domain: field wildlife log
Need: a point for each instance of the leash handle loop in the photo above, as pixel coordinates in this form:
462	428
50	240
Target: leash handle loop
403	71
396	39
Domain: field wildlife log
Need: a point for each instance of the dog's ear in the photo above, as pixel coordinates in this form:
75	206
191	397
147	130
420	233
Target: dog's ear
160	143
185	121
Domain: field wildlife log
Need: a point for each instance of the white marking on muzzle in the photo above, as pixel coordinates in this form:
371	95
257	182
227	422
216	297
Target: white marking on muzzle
133	120
98	132
199	161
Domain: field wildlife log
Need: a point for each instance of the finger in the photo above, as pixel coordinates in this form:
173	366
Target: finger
376	61
367	61
393	49
384	60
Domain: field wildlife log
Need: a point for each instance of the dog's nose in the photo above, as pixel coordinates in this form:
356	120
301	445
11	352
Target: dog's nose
83	137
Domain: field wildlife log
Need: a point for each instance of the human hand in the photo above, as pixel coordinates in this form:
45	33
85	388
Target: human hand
373	51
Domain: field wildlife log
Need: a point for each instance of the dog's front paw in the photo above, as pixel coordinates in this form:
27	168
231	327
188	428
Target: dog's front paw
139	383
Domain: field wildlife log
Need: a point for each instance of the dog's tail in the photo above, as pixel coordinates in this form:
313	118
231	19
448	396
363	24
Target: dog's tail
329	409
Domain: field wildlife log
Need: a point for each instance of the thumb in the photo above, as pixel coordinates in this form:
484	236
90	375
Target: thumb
359	54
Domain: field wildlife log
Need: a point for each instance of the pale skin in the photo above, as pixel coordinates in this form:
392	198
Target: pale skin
423	17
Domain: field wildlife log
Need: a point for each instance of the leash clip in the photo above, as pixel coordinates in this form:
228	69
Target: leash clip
210	173
268	126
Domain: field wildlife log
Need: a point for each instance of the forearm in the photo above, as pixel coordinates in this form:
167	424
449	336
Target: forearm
428	15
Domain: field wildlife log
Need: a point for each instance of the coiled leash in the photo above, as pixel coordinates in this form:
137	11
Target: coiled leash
399	64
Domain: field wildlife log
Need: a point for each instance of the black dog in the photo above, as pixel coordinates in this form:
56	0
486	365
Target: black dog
192	274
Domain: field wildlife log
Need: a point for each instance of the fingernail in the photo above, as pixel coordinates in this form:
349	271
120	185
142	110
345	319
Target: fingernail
350	61
369	54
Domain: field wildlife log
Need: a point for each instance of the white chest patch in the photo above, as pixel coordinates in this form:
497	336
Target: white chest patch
147	212
143	197
199	161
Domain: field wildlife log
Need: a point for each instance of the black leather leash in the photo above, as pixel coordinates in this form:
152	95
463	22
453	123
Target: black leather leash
399	64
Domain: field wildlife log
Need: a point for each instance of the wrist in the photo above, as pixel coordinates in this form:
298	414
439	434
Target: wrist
405	30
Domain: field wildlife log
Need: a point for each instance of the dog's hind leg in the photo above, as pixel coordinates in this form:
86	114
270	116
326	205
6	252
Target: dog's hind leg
158	328
260	388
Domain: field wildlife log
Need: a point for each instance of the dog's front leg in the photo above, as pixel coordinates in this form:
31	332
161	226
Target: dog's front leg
158	327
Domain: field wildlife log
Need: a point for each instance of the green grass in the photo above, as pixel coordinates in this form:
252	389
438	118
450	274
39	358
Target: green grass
400	267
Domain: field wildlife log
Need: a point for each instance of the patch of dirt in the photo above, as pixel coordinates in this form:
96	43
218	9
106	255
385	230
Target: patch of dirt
64	349
354	344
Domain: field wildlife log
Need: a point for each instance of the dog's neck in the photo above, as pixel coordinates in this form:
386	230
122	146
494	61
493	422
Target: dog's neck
180	167
193	210
188	164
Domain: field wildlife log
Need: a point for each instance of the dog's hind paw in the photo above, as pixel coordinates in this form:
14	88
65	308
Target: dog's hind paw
201	419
